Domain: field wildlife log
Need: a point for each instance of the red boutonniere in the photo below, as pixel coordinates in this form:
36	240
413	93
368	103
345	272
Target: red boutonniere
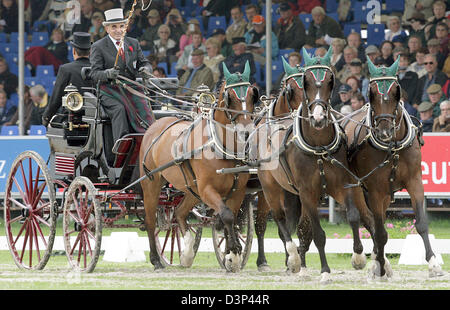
130	48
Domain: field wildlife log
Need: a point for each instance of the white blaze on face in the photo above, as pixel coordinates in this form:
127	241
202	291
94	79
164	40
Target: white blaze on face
318	113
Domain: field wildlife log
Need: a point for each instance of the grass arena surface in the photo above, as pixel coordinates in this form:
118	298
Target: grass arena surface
205	274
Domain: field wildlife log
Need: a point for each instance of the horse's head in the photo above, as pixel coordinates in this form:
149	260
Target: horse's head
238	97
384	97
293	90
318	83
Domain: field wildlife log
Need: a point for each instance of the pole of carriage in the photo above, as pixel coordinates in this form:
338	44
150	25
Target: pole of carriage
268	47
21	60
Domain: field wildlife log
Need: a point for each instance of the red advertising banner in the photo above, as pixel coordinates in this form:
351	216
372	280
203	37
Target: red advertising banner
436	163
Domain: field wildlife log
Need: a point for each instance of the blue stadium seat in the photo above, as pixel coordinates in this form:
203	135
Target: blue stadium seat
334	16
10	131
185	11
31	81
306	19
3	38
9	48
331	6
70	54
13	101
15	69
45	70
394	6
285	53
11	58
37	130
40	25
375	34
14	37
277	69
173	71
164	66
215	22
360	12
260	76
39	38
47	81
351	27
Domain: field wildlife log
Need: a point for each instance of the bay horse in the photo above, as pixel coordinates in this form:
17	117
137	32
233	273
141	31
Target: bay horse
289	100
307	156
384	148
205	145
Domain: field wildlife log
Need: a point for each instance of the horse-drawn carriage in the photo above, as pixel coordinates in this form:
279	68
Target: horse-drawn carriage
91	188
302	138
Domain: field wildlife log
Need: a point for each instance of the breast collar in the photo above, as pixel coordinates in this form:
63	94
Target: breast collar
316	150
394	145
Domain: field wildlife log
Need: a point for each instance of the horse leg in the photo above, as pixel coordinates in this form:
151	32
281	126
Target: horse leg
305	237
233	250
415	190
275	198
151	192
381	268
260	228
353	218
181	212
310	205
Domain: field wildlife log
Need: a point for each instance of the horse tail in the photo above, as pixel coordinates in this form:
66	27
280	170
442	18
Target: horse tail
292	207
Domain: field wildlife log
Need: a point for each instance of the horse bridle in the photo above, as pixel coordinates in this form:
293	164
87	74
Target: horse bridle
298	79
391	119
243	88
326	105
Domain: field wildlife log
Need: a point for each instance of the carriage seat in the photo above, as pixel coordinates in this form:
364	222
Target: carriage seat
126	149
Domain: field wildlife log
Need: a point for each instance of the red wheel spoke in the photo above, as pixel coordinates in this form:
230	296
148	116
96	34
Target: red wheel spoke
165	242
36	182
14	220
88	243
89	232
77	207
25	182
37	195
75	244
24	243
21	230
38	229
40	219
18	203
34	232
19	188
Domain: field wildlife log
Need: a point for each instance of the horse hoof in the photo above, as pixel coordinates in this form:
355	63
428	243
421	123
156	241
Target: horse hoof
293	262
303	274
187	257
434	269
374	272
232	262
359	261
264	268
325	278
388	268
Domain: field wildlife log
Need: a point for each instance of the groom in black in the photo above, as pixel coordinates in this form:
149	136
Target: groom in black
127	111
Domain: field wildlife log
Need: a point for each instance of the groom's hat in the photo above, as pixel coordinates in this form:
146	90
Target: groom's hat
114	16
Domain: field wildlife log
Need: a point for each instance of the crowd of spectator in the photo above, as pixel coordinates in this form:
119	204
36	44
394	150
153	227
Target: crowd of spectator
176	34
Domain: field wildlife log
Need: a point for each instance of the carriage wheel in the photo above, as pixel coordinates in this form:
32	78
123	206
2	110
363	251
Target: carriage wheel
82	225
169	237
95	169
245	228
29	211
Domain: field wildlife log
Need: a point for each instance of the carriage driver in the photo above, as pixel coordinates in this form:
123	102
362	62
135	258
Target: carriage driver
70	74
127	110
